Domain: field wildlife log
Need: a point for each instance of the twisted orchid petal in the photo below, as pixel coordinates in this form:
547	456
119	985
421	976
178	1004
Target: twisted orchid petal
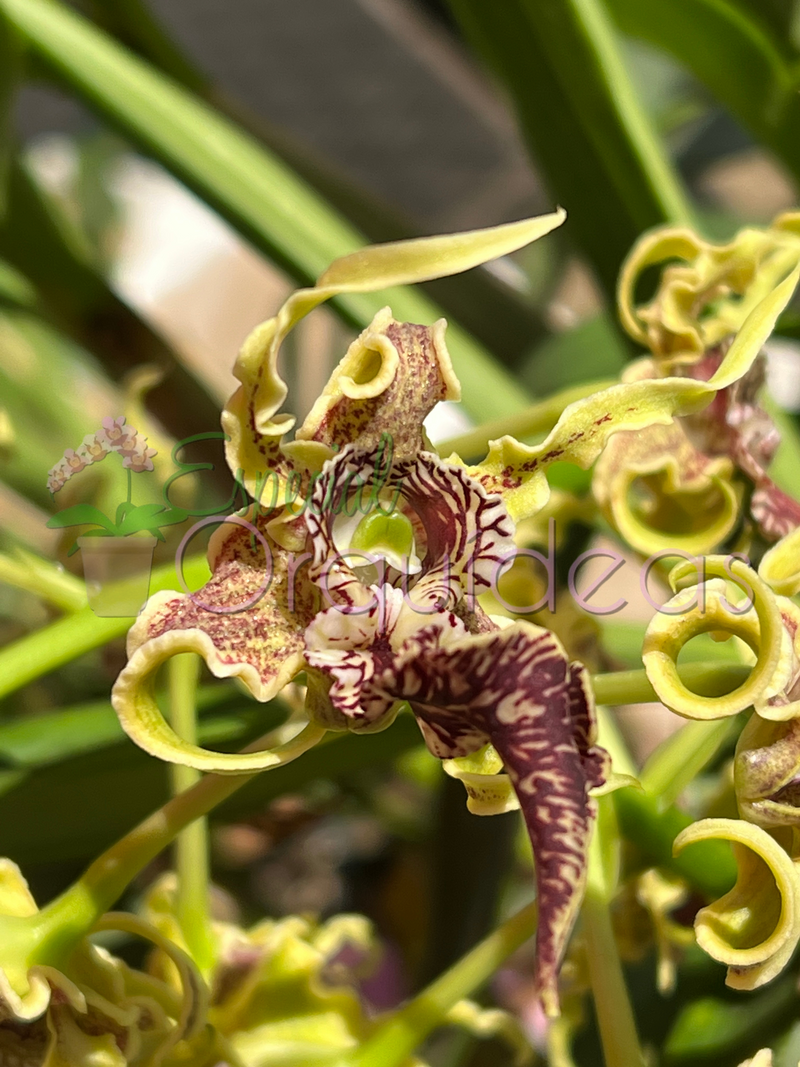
755	927
97	1011
370	387
246	622
518	471
708	293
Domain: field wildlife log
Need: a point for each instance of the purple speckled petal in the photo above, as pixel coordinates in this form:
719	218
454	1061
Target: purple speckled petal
247	621
516	688
467	532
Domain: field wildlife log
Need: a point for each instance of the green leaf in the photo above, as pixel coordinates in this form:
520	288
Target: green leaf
53	817
683	755
732	54
15	288
581	117
64	640
122	511
260	196
10	71
710	1027
151	517
79	514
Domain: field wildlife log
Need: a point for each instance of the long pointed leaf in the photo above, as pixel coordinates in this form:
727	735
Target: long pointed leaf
580	115
10	70
261	197
731	53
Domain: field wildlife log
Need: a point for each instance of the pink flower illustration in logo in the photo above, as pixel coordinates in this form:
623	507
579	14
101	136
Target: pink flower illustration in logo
114	436
94	448
138	457
73	462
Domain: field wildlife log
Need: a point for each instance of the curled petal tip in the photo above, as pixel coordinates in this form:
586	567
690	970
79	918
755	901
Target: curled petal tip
755	927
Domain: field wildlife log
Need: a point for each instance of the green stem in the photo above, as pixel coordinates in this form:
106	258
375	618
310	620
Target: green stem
24	570
612	1005
191	847
534	420
683	755
395	1040
64	640
633	687
57	928
130	485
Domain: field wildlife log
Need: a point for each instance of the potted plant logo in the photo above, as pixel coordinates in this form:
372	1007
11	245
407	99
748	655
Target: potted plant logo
118	556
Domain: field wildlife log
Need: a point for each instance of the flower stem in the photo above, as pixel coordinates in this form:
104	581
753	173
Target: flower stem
612	1005
130	484
633	687
191	847
58	927
395	1040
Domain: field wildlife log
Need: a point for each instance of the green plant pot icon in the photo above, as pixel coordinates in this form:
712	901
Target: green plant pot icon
117	573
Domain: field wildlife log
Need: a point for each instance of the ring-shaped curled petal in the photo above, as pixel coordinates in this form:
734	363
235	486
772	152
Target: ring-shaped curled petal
685	616
649	539
690	502
780	566
143	722
707	294
755	927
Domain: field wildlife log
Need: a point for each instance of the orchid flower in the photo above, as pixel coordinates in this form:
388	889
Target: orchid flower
95	1011
363	556
754	928
294	990
693	477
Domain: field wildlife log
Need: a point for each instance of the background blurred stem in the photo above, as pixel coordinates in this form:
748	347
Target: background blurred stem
633	687
191	847
395	1040
612	1005
24	570
65	921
